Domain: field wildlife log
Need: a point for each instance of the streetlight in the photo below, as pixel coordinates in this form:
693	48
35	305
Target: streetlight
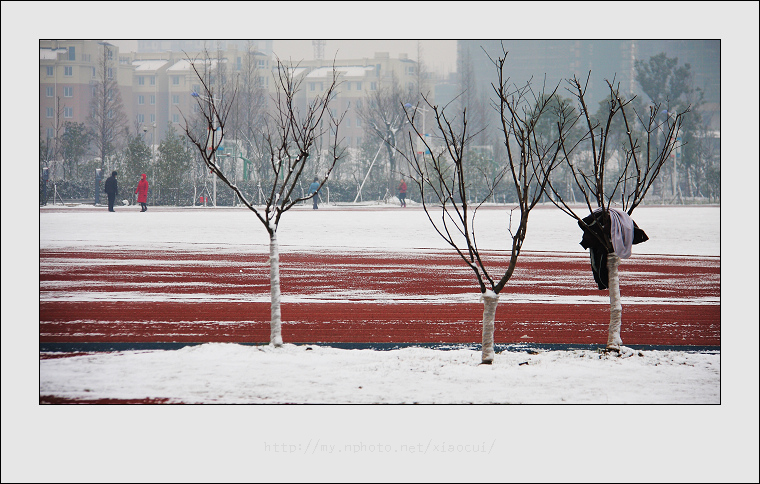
210	100
152	149
423	110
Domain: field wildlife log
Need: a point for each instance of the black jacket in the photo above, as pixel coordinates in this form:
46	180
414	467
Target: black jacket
111	186
596	238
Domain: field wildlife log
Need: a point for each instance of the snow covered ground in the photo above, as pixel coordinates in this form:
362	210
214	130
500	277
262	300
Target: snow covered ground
229	373
261	440
671	230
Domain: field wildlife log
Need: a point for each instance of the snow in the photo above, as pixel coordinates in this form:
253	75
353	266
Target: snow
232	373
217	373
671	230
149	65
359	443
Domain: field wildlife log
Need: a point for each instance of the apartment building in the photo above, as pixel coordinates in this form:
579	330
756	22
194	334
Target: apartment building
69	71
157	86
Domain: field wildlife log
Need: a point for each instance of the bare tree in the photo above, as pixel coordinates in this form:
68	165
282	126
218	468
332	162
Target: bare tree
445	176
107	120
625	178
383	115
290	137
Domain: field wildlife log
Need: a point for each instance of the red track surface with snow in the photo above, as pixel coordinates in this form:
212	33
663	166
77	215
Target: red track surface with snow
415	297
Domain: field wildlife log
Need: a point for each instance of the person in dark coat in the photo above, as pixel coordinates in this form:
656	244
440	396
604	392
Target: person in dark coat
402	193
142	192
314	188
111	188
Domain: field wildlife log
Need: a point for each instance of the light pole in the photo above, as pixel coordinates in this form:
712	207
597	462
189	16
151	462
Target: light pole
195	94
152	150
423	110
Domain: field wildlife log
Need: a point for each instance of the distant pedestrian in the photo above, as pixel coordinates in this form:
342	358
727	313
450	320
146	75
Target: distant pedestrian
111	188
142	192
402	193
314	188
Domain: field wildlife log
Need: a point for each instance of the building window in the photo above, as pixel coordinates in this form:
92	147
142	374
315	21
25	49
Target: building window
140	99
152	99
262	64
110	54
348	122
50	133
49	112
152	118
140	118
68	71
312	86
140	80
175	80
175	99
152	80
72	53
110	73
49	71
358	86
68	112
373	86
68	91
49	92
175	118
348	86
93	73
358	122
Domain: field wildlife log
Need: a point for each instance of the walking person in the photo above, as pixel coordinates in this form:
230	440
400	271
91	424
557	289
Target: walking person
111	188
142	192
402	193
314	188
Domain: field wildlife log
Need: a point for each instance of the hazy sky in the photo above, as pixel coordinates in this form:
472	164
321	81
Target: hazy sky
438	55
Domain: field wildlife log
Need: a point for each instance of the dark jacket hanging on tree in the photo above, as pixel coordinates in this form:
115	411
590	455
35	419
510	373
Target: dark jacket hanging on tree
599	227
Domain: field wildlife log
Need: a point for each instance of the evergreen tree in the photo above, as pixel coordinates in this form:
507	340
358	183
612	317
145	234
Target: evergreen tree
172	176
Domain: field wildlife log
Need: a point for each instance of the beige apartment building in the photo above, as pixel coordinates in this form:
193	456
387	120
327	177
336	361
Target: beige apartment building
156	87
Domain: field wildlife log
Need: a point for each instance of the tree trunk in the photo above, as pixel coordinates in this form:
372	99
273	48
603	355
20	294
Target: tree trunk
490	301
275	335
616	306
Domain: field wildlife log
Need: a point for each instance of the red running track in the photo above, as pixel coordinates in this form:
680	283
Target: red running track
414	297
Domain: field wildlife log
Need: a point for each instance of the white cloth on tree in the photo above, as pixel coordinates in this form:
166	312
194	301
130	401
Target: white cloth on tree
621	233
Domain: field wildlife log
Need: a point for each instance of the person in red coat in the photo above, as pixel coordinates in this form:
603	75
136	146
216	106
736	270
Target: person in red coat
402	192
142	193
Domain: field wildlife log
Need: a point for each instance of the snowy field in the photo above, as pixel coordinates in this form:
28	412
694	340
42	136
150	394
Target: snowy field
323	437
230	373
671	230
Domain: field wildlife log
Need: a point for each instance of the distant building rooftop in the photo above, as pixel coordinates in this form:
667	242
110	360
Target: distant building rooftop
149	65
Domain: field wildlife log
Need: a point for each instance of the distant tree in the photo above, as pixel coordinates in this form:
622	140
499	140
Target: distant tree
74	146
670	86
135	161
289	141
249	111
175	160
625	180
107	120
445	178
383	115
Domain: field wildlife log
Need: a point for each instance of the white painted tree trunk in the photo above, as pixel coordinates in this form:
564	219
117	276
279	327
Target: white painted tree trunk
275	334
616	306
490	301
